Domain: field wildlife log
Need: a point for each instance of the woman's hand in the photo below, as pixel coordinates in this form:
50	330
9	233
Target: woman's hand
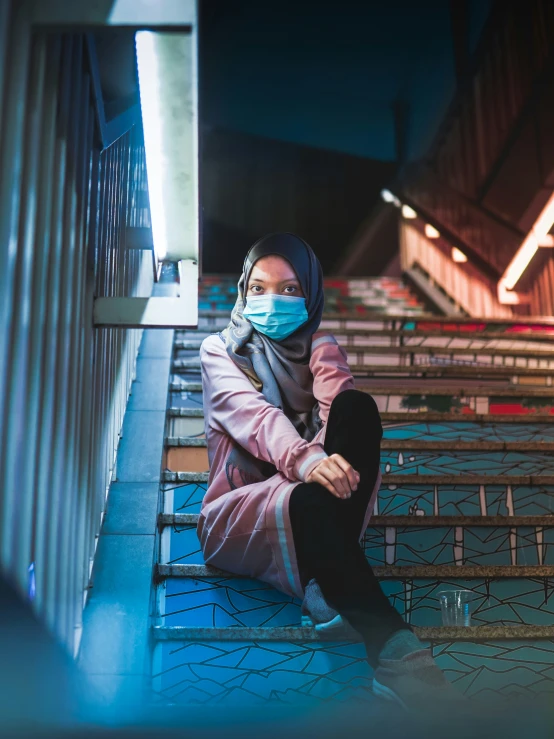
335	474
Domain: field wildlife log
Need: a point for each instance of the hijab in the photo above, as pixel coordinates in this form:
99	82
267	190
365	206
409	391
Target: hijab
278	369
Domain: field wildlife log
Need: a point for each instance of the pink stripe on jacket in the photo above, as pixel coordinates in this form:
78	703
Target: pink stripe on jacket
247	531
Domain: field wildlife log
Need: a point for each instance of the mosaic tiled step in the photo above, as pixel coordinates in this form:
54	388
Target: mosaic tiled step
304	633
460	545
400	479
542	342
410	457
407	495
417	388
414	539
192	364
446	339
415	356
423	322
453	428
449	460
425	427
234	601
191	519
387	356
311	674
385	572
415	445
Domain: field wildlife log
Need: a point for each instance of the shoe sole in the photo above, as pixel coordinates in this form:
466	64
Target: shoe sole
387	694
335	623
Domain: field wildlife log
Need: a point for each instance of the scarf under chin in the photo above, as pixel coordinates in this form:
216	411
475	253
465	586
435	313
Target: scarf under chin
278	369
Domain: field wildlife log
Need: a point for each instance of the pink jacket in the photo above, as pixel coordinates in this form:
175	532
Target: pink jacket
247	531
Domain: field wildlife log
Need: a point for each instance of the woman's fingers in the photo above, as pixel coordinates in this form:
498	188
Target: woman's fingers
333	477
319	477
336	475
352	476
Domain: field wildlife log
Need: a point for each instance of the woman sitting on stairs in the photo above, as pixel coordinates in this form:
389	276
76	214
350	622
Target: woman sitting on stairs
294	454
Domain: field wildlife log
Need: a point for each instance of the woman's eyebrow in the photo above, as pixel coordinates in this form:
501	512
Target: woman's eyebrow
288	279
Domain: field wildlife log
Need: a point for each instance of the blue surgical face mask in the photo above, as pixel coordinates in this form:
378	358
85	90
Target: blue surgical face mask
276	316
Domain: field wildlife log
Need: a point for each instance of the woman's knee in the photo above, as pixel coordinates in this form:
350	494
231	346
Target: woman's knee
355	403
314	505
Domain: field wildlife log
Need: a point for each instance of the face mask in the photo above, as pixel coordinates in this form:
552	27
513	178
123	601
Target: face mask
276	316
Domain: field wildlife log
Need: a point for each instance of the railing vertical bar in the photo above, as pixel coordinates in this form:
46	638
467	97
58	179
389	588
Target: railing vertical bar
80	184
48	174
60	339
66	395
21	444
11	163
87	478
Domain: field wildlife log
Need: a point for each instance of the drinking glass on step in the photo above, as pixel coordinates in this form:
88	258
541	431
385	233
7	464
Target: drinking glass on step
455	607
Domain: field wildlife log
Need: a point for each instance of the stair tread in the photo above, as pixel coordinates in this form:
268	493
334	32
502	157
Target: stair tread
412	479
388	572
412	370
191	519
523	336
544	354
430	317
427	390
415	445
419	418
306	633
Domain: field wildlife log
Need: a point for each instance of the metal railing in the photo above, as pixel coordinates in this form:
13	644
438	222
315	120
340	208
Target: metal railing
64	386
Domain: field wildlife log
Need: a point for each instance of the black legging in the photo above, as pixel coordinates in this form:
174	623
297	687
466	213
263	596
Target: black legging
326	528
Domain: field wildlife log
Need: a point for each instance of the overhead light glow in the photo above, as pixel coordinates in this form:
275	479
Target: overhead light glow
458	256
408	212
431	232
168	82
387	196
537	237
152	116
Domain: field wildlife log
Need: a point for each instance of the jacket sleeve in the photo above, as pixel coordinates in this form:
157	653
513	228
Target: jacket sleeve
329	367
239	410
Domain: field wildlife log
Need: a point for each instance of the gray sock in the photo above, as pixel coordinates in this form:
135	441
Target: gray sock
400	644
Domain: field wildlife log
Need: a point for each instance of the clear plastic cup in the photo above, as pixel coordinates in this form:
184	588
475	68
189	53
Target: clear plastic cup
455	607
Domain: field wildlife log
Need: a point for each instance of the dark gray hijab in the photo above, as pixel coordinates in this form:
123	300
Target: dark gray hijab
278	369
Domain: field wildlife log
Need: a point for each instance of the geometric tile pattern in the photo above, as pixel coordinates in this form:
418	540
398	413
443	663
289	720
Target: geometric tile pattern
252	673
467	431
223	602
512	668
456	545
412	498
466	462
311	673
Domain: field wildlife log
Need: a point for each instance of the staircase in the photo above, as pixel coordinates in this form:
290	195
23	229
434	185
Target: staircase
466	502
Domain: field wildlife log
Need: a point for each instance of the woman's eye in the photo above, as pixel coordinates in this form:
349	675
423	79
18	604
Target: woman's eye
291	288
255	288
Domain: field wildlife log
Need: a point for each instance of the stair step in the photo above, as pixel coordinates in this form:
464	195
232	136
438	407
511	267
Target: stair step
415	445
383	572
436	370
305	633
538	323
426	390
419	418
184	386
420	480
522	324
191	519
541	342
354	345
